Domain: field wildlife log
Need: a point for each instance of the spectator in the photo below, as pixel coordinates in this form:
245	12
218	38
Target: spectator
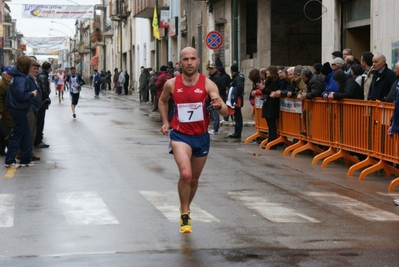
237	82
4	113
163	76
336	54
43	78
18	103
35	103
115	80
254	77
332	86
108	76
178	68
299	86
271	105
103	79
218	62
394	128
121	82
348	87
346	52
214	77
356	72
171	69
383	78
143	84
326	73
285	83
317	68
349	61
225	81
126	84
394	88
151	88
96	83
315	85
367	76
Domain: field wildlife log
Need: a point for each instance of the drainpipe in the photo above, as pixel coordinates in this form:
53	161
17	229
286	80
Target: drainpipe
235	31
120	34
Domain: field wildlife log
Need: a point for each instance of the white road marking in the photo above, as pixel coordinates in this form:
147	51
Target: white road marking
389	194
85	208
354	207
7	207
271	211
168	204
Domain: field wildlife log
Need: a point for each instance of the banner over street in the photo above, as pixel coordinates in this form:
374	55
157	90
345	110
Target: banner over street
56	11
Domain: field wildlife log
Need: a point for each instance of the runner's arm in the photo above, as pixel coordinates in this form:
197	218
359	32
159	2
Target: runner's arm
163	104
216	101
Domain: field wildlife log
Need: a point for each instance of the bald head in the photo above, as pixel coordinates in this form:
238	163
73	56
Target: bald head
189	61
188	49
379	61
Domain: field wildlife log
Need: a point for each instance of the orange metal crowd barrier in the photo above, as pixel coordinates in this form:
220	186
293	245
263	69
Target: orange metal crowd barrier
354	130
260	123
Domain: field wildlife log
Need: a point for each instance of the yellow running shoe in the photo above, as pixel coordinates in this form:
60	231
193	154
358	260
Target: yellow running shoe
185	224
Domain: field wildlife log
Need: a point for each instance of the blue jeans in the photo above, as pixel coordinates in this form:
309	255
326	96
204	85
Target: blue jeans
238	120
19	139
216	120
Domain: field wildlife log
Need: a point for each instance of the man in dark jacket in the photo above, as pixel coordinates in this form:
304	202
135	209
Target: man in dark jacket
348	87
394	129
214	77
126	84
238	80
314	84
19	95
383	78
41	114
393	91
4	113
35	103
225	81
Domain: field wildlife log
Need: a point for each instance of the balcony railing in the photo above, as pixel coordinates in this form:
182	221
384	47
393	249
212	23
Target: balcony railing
8	44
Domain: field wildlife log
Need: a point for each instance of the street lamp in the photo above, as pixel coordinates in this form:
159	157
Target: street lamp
64	25
73	2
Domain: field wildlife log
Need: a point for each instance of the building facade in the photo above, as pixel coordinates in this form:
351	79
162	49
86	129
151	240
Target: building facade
256	33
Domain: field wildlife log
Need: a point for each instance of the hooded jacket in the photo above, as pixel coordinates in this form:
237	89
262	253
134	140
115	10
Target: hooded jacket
19	92
35	102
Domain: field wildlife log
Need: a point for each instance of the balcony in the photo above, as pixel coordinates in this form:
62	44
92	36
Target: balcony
119	10
97	38
145	8
8	44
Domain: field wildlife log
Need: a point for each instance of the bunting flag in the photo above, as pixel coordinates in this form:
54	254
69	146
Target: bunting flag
155	24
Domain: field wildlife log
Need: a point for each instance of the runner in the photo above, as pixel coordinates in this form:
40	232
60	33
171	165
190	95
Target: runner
60	85
193	94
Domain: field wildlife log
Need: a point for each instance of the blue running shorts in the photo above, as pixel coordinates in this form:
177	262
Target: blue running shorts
199	144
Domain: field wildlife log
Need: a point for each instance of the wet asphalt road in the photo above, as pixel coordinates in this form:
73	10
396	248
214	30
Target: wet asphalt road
104	194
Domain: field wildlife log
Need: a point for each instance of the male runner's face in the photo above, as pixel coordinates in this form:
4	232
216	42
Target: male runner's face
189	61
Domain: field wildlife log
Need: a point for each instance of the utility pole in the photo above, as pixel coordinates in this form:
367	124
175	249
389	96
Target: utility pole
120	34
156	42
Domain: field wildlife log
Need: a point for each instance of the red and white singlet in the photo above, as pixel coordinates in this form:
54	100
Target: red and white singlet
190	116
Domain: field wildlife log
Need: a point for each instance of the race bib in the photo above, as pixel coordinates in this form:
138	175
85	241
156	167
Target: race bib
190	112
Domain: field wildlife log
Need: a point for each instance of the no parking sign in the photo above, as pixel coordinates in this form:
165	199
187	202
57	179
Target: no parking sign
214	40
